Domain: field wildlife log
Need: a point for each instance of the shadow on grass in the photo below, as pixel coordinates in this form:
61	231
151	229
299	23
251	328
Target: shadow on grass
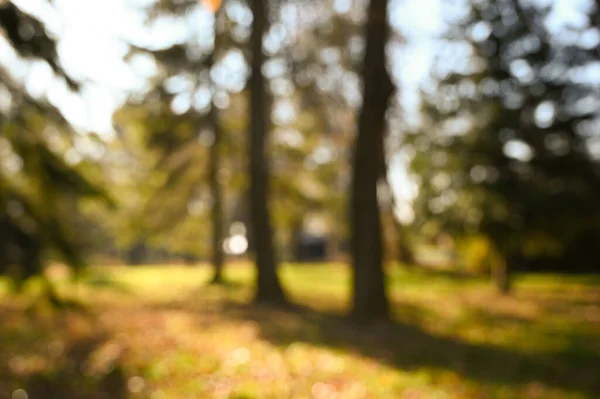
408	347
450	274
227	284
105	281
35	365
74	380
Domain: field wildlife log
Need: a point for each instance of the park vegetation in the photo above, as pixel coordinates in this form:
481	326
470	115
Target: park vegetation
264	147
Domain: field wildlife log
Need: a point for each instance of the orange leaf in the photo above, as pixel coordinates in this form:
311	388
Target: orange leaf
212	5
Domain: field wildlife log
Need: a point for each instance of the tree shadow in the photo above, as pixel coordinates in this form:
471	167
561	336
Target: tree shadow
409	347
38	364
227	284
449	274
76	378
105	281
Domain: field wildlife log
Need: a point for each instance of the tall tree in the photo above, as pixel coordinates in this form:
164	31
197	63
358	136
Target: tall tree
510	150
268	286
176	61
36	180
324	63
369	295
217	222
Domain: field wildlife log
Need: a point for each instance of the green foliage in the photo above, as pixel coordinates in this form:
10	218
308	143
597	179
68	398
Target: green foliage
28	37
36	181
505	149
478	254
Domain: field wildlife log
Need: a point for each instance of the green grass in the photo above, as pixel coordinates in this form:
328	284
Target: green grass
161	332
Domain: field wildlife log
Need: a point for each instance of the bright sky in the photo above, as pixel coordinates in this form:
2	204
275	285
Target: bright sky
91	48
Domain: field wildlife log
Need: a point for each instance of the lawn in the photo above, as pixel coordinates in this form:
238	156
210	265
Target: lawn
162	333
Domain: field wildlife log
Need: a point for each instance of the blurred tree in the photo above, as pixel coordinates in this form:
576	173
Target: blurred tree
369	297
165	170
268	286
312	76
508	149
180	64
217	222
42	169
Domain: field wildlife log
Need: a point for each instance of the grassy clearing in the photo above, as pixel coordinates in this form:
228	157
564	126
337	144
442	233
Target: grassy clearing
161	333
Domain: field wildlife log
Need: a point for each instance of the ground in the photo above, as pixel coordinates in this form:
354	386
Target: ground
163	333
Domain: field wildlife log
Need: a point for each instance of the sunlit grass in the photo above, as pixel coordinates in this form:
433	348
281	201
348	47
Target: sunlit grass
175	337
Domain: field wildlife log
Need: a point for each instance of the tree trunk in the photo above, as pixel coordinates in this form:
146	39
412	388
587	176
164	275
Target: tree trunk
501	277
406	256
404	252
216	214
268	287
502	272
217	256
333	245
294	245
369	296
137	253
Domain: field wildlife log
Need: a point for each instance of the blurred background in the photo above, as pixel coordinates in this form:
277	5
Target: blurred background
296	198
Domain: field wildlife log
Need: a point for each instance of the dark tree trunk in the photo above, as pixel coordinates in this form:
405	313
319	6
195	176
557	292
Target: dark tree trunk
501	277
216	214
137	253
405	255
295	237
217	256
268	287
369	296
502	273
